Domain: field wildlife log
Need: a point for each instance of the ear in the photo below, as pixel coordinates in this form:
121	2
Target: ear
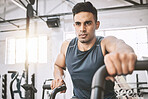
97	24
74	24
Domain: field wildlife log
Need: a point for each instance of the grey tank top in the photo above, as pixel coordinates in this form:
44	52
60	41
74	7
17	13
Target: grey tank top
82	65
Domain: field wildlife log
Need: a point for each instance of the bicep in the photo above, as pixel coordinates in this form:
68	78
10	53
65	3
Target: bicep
60	61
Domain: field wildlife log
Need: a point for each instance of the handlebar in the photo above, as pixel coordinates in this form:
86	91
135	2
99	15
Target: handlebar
46	87
55	91
12	71
11	83
98	83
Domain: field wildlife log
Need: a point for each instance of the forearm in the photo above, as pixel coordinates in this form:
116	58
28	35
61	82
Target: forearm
121	46
112	44
58	72
58	77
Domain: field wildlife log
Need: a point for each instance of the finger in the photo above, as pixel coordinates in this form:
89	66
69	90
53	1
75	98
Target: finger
56	83
109	65
125	67
132	62
60	82
63	91
53	84
110	78
124	64
117	63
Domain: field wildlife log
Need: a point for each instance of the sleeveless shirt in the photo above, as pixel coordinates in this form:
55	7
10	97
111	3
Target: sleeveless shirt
82	65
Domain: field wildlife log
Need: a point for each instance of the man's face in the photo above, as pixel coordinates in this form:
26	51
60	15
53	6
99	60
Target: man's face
85	26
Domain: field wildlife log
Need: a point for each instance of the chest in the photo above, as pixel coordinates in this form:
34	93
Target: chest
88	61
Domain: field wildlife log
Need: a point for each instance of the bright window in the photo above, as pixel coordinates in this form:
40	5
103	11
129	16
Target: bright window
16	50
20	50
10	51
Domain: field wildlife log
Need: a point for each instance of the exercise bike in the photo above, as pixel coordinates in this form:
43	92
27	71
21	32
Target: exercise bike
29	88
98	83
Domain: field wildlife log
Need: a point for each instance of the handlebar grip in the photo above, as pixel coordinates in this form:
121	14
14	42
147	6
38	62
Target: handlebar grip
12	71
61	88
56	90
47	87
141	65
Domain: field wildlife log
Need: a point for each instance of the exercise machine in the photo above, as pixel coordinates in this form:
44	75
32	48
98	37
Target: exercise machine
14	77
29	88
46	87
98	83
4	86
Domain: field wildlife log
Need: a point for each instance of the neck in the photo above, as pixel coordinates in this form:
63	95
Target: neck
86	46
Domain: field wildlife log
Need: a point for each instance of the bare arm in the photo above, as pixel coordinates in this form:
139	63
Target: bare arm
59	66
112	44
121	57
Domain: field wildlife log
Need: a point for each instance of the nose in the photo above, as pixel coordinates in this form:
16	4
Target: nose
83	28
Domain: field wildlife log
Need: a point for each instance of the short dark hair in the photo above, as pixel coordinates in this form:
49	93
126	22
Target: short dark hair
85	7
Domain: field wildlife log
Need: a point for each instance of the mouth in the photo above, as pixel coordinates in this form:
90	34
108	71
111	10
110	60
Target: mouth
83	35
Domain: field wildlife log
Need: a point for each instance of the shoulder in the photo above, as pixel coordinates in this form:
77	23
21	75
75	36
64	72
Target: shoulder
111	41
66	42
107	42
65	46
108	39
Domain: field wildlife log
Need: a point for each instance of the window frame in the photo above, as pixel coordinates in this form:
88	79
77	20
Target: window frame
16	38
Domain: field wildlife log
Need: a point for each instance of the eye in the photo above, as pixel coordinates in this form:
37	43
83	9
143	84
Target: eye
88	23
77	23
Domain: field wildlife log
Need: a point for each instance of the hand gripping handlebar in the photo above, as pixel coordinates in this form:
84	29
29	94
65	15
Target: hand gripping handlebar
98	83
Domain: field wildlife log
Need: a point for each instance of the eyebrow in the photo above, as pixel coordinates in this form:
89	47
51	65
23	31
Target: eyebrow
77	22
87	21
84	22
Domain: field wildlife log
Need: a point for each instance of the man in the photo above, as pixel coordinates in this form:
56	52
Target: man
84	54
